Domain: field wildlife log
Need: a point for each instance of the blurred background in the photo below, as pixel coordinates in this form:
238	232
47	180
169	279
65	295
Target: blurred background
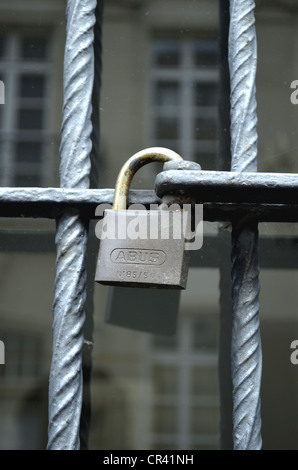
160	87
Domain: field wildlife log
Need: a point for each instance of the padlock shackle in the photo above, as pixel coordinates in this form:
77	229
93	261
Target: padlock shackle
132	165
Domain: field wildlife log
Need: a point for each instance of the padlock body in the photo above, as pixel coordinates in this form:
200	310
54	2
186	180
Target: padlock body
141	249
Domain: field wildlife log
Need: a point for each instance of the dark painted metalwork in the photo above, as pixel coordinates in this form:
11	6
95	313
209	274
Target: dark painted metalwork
246	353
52	202
225	300
235	187
96	166
66	381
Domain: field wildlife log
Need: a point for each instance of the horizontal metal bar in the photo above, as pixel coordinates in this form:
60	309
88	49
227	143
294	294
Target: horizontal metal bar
52	202
226	196
230	187
261	212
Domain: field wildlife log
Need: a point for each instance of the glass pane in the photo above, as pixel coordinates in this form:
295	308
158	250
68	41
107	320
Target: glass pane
30	119
167	53
167	127
24	304
204	333
27	180
211	445
28	152
204	420
169	445
32	86
167	93
207	160
165	379
31	351
23	351
204	381
205	53
13	352
205	94
34	47
2	45
164	419
164	342
205	128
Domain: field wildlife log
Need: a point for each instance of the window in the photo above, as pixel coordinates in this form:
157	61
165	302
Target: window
24	352
184	98
25	141
185	401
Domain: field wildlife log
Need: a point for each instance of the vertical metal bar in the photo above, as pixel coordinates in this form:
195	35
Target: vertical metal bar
65	387
246	353
224	135
224	164
92	247
95	136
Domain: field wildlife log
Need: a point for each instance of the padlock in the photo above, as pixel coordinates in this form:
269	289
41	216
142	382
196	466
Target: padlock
155	256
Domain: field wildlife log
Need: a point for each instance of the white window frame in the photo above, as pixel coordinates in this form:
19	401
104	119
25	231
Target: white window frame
11	67
186	74
185	359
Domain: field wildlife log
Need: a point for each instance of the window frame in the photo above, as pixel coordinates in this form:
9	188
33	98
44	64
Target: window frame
13	70
186	75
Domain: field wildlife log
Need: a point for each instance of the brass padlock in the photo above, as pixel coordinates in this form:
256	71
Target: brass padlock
153	257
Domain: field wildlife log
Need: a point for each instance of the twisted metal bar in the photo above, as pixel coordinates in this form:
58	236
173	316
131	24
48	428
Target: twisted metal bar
224	163
91	250
95	136
65	388
246	354
76	129
243	64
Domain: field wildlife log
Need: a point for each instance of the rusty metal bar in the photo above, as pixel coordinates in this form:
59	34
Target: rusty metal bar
65	387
